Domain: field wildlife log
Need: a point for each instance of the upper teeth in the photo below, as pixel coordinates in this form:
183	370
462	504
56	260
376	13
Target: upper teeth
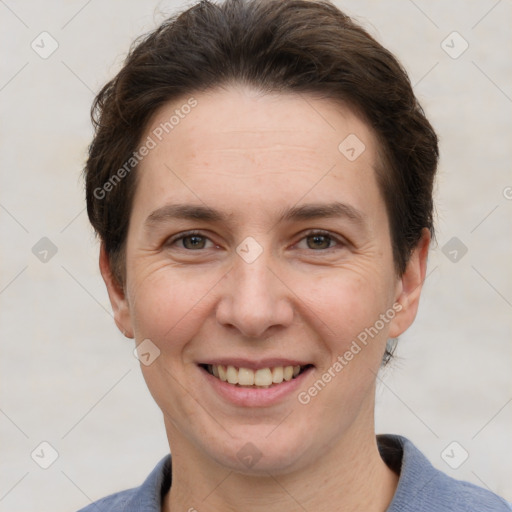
249	377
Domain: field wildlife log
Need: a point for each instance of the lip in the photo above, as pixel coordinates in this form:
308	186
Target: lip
254	397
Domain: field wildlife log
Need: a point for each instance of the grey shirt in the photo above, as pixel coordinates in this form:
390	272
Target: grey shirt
421	487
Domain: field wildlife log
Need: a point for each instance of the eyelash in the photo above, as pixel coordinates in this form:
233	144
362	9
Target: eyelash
332	238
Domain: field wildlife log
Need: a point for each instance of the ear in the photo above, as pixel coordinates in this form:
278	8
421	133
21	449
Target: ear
116	295
410	286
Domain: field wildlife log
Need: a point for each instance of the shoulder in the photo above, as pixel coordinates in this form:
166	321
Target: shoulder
423	488
147	497
469	497
117	502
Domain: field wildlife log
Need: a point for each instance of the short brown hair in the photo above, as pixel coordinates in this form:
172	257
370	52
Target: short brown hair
300	46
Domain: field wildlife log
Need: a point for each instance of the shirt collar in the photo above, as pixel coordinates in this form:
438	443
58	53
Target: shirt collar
420	485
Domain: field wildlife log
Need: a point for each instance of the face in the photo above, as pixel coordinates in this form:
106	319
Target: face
259	252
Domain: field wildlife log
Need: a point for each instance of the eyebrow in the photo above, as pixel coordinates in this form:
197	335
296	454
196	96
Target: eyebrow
309	211
323	210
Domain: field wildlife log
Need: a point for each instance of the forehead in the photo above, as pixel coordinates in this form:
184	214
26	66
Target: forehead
252	119
266	147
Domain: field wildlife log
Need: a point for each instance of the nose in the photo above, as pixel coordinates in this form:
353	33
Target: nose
255	299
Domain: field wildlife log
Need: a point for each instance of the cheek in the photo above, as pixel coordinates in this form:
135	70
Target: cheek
344	303
165	305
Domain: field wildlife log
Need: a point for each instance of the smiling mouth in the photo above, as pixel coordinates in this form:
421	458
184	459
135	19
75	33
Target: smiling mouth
261	378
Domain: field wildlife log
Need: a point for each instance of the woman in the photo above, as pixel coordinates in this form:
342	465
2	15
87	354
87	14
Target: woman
261	180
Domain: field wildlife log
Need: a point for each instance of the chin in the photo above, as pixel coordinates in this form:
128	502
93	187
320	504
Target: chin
259	451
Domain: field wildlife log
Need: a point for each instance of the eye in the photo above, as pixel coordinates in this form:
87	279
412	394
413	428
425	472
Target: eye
320	240
191	240
314	240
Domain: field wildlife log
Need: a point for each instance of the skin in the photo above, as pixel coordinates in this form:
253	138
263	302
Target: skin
251	155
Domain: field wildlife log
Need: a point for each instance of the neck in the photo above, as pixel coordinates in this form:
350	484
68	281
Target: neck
352	476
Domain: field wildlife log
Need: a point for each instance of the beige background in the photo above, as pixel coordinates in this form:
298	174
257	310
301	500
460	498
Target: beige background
70	379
